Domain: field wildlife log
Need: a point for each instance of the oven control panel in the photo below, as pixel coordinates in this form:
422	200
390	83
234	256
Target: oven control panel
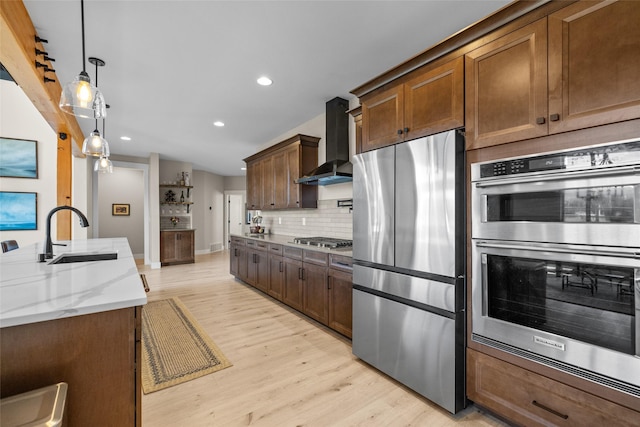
624	153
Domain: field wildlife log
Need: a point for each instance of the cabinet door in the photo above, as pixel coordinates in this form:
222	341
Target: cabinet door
262	271
276	276
168	246
293	283
281	180
594	64
268	198
383	119
252	267
434	101
293	160
506	88
340	301
254	188
184	246
315	294
233	259
243	271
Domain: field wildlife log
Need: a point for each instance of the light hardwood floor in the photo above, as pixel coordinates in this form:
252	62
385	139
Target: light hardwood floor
288	370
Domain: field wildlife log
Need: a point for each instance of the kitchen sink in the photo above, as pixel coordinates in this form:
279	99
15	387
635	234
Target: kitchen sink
84	257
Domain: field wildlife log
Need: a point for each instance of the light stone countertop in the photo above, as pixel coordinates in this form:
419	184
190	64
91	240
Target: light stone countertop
32	291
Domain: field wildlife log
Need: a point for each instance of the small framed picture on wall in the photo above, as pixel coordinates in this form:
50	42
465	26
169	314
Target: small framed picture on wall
120	209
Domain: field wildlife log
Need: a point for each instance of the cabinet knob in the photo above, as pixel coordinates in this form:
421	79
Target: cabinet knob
540	120
399	131
554	117
406	130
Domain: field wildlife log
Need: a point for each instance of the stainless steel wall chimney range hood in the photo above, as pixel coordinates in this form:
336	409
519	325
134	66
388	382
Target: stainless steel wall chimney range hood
337	168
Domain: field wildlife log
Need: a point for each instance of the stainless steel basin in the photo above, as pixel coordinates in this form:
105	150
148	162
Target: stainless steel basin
84	257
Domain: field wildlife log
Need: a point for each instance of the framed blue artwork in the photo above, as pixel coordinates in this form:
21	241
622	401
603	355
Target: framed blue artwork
18	211
18	158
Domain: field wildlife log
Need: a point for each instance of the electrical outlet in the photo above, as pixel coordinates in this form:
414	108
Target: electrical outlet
304	221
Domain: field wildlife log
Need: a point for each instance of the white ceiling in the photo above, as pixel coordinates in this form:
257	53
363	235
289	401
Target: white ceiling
175	67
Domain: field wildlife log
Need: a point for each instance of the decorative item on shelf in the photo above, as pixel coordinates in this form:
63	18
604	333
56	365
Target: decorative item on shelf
175	220
182	197
187	179
79	97
170	196
181	178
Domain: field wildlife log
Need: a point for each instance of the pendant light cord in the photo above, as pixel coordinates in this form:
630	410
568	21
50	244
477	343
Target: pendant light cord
82	20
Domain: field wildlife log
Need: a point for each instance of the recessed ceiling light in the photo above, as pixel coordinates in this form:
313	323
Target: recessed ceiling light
264	81
218	123
125	138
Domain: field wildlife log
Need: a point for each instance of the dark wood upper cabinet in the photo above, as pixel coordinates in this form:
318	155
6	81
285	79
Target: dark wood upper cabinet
429	102
506	88
594	64
271	175
575	69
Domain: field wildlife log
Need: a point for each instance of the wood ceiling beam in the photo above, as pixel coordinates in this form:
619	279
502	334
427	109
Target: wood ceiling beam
18	55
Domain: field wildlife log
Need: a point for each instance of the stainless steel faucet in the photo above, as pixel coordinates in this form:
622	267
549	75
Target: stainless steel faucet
48	245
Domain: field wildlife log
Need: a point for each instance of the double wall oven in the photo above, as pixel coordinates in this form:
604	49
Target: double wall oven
556	260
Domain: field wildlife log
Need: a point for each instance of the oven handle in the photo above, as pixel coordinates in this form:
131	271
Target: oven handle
591	173
559	249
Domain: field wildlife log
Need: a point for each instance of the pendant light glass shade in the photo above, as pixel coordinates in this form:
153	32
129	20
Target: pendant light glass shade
103	165
82	99
95	145
79	97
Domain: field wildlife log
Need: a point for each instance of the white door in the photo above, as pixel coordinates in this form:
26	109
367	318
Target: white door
235	215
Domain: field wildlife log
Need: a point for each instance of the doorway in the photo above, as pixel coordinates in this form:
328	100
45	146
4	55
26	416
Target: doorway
235	215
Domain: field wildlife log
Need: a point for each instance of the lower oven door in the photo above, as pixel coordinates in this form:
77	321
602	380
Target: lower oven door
572	307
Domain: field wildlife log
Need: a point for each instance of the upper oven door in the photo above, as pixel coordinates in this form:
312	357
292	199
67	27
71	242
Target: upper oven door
597	207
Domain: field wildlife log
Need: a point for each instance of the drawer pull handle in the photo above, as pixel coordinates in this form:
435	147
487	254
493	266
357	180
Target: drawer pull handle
553	411
144	283
346	264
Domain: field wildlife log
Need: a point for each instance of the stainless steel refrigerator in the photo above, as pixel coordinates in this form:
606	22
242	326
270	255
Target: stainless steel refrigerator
408	274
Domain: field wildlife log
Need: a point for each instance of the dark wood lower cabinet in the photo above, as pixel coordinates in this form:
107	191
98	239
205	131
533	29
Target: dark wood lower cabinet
293	285
529	399
315	294
177	247
340	301
97	355
276	276
312	282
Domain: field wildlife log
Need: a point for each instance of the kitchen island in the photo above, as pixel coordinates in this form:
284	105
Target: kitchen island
77	323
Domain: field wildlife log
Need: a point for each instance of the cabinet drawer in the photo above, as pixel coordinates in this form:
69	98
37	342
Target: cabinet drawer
534	400
262	246
238	241
314	257
341	262
290	252
251	243
275	249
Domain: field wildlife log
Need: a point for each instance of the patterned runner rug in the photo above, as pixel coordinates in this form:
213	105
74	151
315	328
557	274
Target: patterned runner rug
175	349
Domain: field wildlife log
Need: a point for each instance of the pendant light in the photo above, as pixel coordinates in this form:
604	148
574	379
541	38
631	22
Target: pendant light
103	164
79	97
95	144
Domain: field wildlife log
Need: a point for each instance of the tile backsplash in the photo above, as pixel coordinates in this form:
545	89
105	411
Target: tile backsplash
327	220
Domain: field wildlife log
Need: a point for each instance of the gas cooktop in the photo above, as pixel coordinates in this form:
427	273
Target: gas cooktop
324	242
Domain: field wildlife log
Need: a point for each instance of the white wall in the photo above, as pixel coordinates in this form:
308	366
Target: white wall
208	211
21	120
124	185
